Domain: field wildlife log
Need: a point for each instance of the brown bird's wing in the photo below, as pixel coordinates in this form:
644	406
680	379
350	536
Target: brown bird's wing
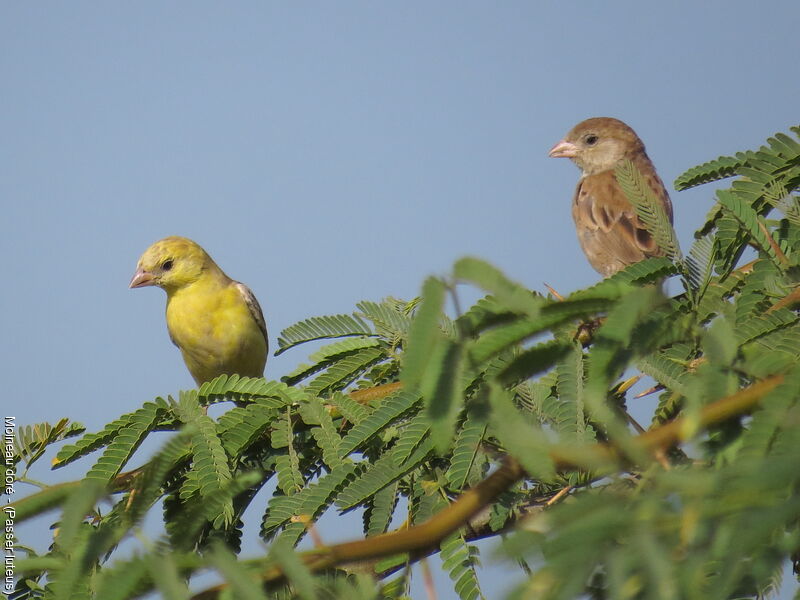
255	309
610	233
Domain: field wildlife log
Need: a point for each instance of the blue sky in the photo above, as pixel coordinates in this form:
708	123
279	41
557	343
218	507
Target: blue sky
325	153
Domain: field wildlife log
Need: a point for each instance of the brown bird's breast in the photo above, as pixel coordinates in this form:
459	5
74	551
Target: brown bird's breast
609	231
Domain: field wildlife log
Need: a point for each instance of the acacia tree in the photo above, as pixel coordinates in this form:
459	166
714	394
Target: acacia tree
508	417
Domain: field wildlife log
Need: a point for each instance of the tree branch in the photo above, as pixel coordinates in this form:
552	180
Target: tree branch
429	534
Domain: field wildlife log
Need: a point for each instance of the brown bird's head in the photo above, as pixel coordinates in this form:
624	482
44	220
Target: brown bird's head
171	263
598	144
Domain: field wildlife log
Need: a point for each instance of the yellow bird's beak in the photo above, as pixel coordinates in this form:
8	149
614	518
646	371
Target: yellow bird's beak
142	278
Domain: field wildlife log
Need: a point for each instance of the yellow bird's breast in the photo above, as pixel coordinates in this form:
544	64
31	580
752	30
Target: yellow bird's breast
216	332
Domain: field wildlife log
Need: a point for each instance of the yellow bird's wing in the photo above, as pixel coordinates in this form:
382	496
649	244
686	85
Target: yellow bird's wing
255	309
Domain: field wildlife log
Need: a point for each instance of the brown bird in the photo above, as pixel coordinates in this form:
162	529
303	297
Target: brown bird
610	233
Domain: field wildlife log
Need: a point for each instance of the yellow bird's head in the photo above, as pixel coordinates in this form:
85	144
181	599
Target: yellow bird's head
172	263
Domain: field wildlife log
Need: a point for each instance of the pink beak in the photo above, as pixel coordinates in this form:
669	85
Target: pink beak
563	149
142	278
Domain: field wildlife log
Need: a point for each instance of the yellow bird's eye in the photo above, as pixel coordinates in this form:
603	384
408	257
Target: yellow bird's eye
167	265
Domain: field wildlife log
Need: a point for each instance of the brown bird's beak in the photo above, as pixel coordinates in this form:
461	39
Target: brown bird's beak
142	278
563	149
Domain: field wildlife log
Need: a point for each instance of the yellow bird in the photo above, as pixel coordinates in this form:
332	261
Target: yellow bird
215	321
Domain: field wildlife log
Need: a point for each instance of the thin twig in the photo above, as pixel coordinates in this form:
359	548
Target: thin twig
558	496
787	301
556	295
427	577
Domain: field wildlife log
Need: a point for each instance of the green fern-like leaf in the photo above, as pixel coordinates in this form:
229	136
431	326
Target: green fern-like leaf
763	325
750	222
570	394
244	583
460	559
550	316
412	436
714	170
381	509
442	390
193	520
425	332
309	502
123	580
350	409
190	485
328	439
209	461
774	415
789	204
513	296
650	270
773	353
280	511
328	355
287	466
241	427
392	408
381	473
731	242
784	340
79	504
760	165
486	313
246	389
637	314
166	575
318	328
296	572
533	394
397	587
700	263
92	441
533	361
649	209
520	436
390	317
502	337
345	370
668	368
149	484
716	295
465	451
31	441
126	442
784	145
73	549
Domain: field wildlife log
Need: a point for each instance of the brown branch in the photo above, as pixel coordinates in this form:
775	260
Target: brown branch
432	531
478	528
787	301
559	495
773	244
375	393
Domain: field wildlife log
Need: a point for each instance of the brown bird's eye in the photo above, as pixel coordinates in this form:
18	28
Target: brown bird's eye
167	265
591	139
